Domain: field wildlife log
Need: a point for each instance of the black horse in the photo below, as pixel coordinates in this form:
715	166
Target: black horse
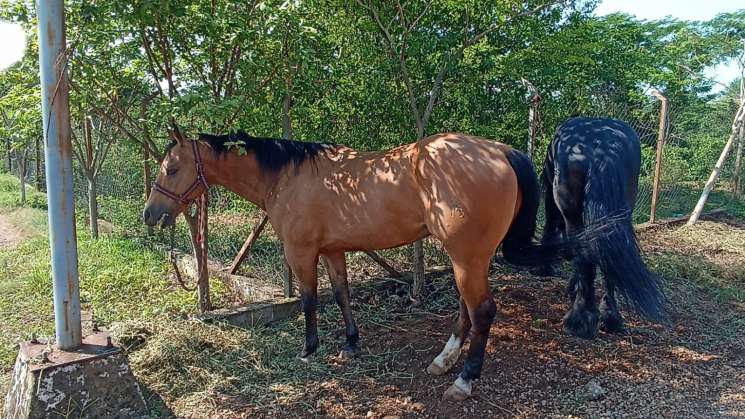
590	179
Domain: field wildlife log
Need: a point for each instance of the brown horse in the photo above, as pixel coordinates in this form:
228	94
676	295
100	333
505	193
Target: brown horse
324	200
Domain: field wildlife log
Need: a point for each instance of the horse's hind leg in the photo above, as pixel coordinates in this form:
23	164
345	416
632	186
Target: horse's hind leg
472	281
450	353
336	266
582	318
610	318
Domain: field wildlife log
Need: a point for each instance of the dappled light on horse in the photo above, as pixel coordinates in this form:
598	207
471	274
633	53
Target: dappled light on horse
590	179
324	200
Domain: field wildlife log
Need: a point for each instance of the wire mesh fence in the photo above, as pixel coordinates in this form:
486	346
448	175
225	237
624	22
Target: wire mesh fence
121	186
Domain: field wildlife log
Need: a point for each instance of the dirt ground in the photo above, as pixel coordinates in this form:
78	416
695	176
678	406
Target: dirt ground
692	367
9	234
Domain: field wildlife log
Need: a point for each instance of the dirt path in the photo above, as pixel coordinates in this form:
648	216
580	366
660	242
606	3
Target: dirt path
9	234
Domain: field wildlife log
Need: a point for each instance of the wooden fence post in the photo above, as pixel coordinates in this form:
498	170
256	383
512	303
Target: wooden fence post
383	263
720	163
664	104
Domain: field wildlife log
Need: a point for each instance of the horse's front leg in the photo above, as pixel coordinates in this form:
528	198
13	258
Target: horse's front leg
304	262
336	266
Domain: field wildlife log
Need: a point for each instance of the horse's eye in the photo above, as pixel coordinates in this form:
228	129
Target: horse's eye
171	171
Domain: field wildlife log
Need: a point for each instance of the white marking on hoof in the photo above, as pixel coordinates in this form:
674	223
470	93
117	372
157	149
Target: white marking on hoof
304	360
459	391
447	358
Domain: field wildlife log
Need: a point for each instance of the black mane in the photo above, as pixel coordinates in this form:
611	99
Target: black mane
272	154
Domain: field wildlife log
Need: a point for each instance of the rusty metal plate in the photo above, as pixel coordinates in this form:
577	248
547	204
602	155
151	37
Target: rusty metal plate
41	355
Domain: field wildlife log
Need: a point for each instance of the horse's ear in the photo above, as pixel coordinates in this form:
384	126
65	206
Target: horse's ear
175	133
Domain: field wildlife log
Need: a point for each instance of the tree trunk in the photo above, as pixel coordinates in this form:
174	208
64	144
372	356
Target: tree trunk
737	183
199	245
287	134
21	161
39	171
417	284
22	176
203	285
93	206
286	119
8	160
147	180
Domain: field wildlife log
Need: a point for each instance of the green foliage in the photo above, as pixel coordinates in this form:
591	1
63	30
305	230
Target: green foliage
9	197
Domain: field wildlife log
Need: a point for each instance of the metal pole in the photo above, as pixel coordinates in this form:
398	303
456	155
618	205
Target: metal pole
58	164
658	160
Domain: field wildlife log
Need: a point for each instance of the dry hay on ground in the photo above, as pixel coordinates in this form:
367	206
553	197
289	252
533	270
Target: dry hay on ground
695	367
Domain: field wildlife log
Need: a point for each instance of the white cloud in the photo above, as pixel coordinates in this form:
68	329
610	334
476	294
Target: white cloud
12	44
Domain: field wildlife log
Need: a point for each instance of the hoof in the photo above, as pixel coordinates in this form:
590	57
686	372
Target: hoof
582	324
611	322
459	391
306	354
303	359
434	369
544	271
349	352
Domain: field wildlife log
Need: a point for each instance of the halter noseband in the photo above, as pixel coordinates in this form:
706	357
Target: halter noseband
200	180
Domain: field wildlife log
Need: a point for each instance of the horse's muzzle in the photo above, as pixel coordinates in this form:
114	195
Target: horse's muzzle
153	216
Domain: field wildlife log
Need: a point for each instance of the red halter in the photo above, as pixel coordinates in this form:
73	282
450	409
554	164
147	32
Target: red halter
201	179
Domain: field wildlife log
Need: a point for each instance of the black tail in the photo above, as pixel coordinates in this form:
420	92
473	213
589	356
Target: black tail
518	246
609	240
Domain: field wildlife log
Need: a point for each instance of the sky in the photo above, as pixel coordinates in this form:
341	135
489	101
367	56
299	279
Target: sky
12	39
12	44
683	10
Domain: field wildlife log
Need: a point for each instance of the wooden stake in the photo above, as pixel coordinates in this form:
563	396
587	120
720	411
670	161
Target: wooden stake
658	160
246	248
383	264
720	163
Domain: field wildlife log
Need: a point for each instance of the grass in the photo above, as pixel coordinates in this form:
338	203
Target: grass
710	255
10	195
188	366
119	280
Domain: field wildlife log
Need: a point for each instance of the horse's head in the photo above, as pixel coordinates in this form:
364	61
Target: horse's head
180	181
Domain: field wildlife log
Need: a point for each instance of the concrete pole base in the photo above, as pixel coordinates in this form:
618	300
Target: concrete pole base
91	381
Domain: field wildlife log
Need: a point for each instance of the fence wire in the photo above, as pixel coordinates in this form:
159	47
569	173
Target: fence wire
121	184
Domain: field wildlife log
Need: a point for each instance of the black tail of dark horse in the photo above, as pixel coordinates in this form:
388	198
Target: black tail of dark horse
609	240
